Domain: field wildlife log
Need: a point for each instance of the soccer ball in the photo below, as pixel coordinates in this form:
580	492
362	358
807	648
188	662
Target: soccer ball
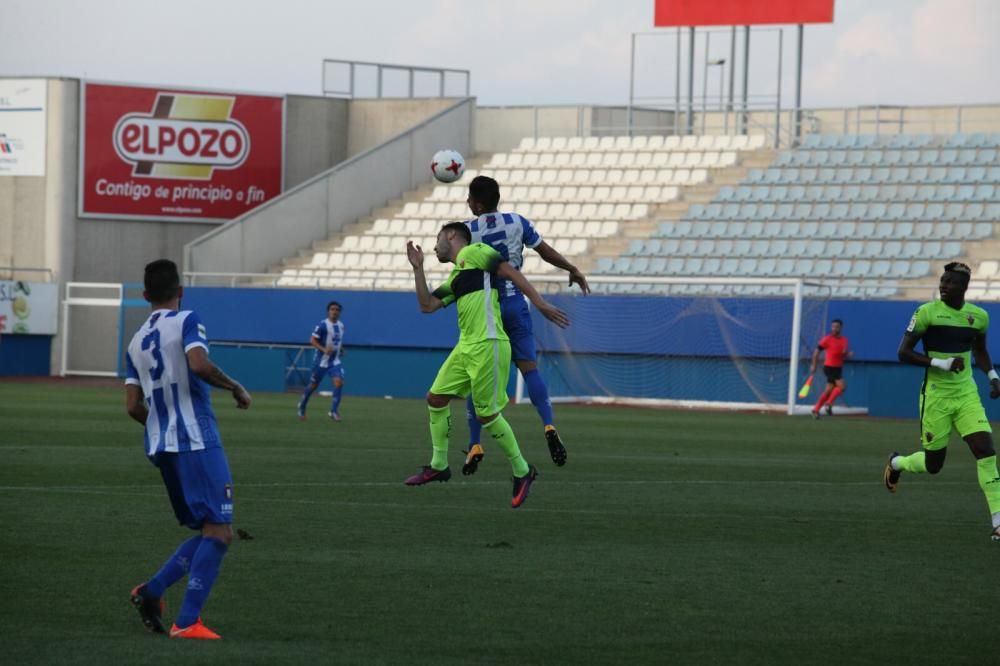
447	165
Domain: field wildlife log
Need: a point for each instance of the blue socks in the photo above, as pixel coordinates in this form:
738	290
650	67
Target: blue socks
204	569
337	390
539	395
475	427
173	569
307	394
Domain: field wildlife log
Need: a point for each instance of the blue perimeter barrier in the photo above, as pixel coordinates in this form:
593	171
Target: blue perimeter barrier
394	349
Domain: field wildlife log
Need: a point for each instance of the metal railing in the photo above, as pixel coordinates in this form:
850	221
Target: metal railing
355	67
7	272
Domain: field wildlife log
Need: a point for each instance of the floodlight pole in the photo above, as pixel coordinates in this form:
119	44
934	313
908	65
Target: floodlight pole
746	78
631	87
690	113
798	87
732	75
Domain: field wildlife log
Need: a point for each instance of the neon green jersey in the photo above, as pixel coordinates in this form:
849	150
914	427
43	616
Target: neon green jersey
471	286
948	332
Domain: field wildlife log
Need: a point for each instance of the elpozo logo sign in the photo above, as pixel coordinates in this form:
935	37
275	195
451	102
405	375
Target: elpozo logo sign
156	153
185	136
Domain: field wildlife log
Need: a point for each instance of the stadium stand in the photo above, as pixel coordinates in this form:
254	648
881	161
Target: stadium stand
579	191
841	209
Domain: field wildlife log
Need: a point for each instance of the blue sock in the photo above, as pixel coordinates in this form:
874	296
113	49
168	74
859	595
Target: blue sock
307	393
539	395
337	391
173	569
204	569
475	427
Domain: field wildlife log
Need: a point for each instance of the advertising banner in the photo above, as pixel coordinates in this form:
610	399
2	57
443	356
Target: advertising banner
687	13
28	307
162	153
22	127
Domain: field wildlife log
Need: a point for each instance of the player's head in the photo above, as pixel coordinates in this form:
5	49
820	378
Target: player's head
452	238
333	309
836	326
162	282
954	281
484	195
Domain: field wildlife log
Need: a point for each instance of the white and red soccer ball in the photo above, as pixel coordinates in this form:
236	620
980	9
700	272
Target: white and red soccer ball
447	165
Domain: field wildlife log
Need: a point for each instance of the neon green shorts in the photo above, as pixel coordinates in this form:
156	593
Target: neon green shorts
939	414
480	368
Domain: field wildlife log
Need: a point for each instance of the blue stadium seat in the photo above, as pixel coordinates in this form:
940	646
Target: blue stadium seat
884	231
839	210
761	193
895	210
910	157
696	211
977	174
923	230
796	193
700	229
953	211
785	211
894	174
955	174
992	212
755	176
862	141
870	193
783	159
858	211
934	211
967	157
815	193
773	175
920	268
634	247
987	156
892	158
916	210
932	193
726	193
658	265
981	230
812	141
779	192
821	210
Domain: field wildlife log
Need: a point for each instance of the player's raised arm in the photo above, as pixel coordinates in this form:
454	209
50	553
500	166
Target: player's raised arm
550	312
428	302
552	256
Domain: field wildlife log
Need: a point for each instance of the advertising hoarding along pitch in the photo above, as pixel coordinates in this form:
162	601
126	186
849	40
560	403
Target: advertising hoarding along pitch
28	307
686	13
164	153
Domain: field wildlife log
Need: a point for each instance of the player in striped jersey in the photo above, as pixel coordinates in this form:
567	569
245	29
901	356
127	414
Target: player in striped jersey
954	334
509	234
167	390
328	341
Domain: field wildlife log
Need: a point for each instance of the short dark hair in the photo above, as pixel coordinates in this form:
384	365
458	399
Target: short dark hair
838	321
161	281
486	191
960	268
333	303
460	229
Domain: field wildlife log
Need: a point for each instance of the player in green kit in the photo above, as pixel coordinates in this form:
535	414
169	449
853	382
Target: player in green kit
954	332
480	362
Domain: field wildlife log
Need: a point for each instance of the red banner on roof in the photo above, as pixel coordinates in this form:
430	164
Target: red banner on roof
672	13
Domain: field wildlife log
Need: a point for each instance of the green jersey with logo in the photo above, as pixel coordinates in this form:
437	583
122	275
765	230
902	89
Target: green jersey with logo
947	332
470	285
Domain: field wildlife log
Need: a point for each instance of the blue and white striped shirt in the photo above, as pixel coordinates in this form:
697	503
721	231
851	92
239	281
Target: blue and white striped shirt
180	408
330	335
508	234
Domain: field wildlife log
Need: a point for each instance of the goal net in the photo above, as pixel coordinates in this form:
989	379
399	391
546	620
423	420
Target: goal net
685	342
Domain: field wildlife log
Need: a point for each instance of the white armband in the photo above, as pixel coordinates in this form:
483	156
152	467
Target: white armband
992	374
942	363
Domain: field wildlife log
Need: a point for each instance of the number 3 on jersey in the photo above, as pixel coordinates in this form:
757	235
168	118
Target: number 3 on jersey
152	342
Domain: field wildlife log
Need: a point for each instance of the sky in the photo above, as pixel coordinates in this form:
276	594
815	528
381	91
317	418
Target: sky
519	52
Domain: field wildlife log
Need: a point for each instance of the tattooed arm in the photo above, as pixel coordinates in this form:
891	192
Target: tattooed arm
212	374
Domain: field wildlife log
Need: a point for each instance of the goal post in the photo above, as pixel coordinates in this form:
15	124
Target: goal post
695	342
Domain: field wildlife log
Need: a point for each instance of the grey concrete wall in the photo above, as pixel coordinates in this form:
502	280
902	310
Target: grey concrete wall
316	131
375	121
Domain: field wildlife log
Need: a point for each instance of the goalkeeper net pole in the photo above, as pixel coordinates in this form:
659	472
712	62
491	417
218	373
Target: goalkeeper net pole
715	343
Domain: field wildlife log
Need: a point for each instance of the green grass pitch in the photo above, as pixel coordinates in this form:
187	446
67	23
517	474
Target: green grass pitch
669	537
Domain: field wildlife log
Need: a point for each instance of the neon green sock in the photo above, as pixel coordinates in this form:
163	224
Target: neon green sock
913	463
440	418
989	481
500	431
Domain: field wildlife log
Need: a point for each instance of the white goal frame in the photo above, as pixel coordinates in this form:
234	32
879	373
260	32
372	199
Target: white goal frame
789	407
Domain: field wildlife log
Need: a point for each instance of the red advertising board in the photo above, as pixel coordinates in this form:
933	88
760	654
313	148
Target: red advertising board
165	153
671	13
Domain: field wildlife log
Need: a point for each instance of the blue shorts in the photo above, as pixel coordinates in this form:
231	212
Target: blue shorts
334	371
517	323
199	486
